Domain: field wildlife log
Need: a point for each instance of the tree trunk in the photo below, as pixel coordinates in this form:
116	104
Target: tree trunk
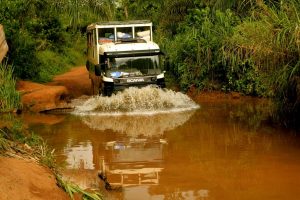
3	44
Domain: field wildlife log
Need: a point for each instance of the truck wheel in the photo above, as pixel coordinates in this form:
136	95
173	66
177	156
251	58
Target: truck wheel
107	92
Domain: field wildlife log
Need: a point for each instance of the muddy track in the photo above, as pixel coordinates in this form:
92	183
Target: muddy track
57	94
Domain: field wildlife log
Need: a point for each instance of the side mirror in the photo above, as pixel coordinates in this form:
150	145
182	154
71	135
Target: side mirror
97	70
104	67
87	65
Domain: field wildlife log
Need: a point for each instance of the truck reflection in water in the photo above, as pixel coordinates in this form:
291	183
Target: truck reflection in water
134	162
129	149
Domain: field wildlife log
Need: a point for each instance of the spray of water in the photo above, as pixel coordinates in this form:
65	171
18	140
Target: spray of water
147	100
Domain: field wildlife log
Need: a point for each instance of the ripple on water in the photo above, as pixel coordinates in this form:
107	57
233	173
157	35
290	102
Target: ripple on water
137	101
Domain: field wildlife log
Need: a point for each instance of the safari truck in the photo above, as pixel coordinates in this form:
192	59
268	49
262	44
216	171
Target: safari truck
122	54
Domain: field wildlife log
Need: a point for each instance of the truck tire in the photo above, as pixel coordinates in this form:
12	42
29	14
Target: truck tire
107	92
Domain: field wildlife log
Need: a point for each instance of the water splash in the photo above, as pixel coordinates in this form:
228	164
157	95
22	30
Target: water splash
147	100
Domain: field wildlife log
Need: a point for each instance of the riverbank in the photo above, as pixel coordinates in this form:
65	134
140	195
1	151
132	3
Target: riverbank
25	164
22	174
28	167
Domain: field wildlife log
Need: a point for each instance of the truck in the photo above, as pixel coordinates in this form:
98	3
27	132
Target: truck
122	54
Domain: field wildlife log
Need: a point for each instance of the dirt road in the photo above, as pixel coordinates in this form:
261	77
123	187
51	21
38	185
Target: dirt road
42	97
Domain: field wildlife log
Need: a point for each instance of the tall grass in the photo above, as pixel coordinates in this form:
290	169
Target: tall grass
9	97
194	53
71	189
270	40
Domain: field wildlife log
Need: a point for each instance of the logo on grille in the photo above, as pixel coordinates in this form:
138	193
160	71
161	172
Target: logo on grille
135	80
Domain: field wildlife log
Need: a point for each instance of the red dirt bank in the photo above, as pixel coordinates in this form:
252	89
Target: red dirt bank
22	179
40	97
26	180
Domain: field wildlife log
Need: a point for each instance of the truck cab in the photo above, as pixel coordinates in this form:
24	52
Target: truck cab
122	54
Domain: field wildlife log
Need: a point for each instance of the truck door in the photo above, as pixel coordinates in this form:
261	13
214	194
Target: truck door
94	46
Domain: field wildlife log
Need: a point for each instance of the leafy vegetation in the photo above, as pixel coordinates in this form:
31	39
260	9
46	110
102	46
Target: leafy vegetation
249	47
39	32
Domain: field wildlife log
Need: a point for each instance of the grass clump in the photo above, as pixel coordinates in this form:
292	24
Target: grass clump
72	188
9	97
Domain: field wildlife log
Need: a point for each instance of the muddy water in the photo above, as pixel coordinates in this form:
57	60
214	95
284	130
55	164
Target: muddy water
218	151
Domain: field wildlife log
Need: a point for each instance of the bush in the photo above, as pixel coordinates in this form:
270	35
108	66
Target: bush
30	27
51	63
57	62
22	55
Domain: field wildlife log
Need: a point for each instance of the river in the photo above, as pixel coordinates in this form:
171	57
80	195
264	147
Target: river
221	150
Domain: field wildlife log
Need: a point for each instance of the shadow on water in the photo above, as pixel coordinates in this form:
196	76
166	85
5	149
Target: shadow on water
220	151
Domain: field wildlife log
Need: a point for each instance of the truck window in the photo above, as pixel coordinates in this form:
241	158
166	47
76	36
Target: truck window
143	32
124	33
133	66
105	35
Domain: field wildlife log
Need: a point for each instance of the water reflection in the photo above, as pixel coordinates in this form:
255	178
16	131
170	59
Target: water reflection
133	162
134	155
79	156
211	153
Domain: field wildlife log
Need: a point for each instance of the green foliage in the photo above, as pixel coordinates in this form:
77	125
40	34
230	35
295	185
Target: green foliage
244	78
247	46
76	14
9	97
53	62
195	51
35	31
273	50
138	9
29	27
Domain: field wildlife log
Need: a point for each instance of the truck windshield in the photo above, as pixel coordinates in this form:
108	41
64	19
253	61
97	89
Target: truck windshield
133	66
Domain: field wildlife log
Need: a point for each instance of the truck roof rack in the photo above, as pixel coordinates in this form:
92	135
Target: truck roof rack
123	22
